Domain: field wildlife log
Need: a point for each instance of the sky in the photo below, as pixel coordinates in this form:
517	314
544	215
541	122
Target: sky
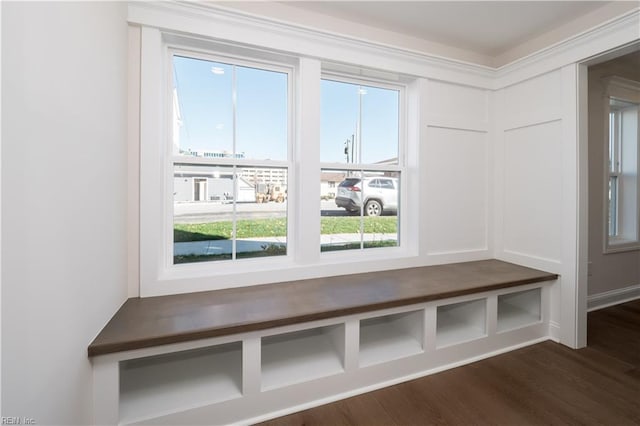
205	95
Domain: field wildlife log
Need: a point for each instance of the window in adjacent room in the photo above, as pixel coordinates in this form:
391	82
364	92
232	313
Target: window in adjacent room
622	186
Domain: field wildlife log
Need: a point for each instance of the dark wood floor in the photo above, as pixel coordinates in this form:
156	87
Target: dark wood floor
539	385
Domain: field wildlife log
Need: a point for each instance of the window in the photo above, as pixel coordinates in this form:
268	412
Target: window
360	143
233	143
622	186
230	139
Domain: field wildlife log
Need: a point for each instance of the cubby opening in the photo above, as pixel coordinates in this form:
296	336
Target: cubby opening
461	322
178	381
301	356
391	337
519	309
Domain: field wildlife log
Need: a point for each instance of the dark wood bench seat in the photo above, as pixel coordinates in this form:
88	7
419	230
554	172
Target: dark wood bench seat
145	322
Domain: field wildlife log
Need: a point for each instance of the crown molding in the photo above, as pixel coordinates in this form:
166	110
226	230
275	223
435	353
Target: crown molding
230	25
615	33
222	24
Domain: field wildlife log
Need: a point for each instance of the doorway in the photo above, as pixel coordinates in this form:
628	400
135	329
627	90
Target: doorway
199	189
610	231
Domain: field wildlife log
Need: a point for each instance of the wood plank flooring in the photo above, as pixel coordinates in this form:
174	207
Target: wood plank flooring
539	385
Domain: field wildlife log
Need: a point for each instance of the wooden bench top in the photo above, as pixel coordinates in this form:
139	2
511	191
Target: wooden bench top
152	321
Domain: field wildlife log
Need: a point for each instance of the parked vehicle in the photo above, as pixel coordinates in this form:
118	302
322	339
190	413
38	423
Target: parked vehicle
270	192
380	194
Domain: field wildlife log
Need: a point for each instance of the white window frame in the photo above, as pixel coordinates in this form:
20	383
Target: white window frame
626	214
158	274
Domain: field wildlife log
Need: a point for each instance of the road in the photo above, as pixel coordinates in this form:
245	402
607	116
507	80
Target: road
202	212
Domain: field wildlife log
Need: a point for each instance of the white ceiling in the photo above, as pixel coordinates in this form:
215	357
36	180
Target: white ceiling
486	27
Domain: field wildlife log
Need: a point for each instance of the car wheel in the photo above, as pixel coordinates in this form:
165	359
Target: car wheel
372	208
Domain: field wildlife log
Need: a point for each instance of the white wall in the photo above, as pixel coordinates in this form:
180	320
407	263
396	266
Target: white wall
64	249
614	271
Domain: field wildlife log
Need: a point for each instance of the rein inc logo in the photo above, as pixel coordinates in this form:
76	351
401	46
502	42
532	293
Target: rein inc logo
6	420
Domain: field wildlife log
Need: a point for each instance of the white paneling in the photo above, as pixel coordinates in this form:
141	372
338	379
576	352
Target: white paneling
453	105
456	190
533	191
533	101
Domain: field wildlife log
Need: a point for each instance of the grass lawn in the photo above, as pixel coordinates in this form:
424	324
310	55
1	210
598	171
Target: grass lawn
183	232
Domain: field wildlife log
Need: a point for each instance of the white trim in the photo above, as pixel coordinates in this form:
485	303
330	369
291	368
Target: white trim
569	284
578	48
441	122
582	226
532	123
152	206
133	164
307	127
613	297
219	22
222	24
554	331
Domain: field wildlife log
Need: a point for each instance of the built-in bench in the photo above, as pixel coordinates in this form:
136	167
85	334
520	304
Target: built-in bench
243	354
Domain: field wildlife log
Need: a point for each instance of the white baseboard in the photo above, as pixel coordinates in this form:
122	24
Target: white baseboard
554	331
613	297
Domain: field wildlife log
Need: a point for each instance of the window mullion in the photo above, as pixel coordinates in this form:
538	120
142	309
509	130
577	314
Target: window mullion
307	156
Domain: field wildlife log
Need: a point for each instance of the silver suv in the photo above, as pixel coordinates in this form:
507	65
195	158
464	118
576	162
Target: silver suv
380	194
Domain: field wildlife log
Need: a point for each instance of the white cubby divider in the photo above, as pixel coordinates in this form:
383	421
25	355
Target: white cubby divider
170	382
461	322
390	337
302	356
519	309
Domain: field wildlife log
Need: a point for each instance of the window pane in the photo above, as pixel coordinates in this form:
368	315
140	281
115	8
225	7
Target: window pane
229	111
261	114
359	124
361	212
613	206
612	142
209	204
202	108
261	214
